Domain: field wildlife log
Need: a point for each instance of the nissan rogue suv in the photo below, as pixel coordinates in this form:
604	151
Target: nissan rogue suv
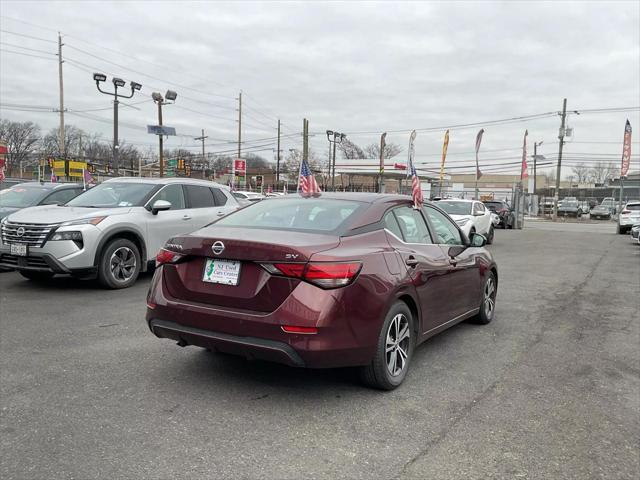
112	231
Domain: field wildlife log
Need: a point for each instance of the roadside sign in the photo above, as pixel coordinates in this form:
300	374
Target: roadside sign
161	130
240	166
172	162
76	168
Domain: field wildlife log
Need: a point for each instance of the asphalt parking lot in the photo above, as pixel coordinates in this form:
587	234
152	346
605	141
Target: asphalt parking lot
550	389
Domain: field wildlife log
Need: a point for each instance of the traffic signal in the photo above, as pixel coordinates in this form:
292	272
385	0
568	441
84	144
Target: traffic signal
187	170
258	181
180	164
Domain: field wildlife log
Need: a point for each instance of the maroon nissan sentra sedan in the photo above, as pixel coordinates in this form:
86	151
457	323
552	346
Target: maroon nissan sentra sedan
341	279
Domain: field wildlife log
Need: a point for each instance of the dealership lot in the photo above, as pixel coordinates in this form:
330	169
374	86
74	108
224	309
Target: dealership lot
550	389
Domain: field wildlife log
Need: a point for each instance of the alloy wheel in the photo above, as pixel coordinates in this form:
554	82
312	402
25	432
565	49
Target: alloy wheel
397	344
122	264
489	297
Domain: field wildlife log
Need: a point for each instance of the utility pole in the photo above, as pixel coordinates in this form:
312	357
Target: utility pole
535	165
278	157
240	125
382	146
203	157
63	150
559	169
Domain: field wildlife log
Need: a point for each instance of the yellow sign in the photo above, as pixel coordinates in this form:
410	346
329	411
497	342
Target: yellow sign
58	168
76	168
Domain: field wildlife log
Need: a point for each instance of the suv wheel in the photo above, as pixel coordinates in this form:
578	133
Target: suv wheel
395	349
119	264
490	235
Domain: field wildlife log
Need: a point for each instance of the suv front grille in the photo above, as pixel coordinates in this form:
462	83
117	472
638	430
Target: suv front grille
32	234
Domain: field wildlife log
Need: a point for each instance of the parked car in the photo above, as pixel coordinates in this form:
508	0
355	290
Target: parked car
471	215
546	205
112	231
611	204
629	216
11	182
504	212
29	194
600	212
635	232
569	208
343	279
247	197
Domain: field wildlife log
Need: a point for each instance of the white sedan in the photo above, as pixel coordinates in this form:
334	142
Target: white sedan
470	215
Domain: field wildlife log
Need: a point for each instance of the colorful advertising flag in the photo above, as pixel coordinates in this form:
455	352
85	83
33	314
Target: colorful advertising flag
523	169
412	138
626	150
3	154
478	141
444	154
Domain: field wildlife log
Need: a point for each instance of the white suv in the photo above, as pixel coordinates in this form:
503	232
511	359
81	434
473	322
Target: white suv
470	215
628	217
112	231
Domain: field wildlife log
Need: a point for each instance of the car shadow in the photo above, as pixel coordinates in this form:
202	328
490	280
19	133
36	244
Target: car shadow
67	282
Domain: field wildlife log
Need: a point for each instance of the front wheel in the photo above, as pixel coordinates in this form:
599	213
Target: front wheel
395	347
119	264
488	305
490	236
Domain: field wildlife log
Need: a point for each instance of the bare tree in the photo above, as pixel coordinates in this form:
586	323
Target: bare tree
291	164
22	138
73	139
581	172
350	150
390	150
601	172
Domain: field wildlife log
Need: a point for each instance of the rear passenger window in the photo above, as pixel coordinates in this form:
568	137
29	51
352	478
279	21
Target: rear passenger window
391	224
219	197
412	224
199	197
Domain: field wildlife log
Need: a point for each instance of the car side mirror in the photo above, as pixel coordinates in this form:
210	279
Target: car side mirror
478	240
160	205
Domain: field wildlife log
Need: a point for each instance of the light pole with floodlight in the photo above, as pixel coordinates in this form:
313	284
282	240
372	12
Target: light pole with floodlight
337	138
169	98
117	82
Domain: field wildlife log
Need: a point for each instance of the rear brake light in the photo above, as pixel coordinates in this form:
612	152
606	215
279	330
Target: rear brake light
625	211
167	256
322	274
296	329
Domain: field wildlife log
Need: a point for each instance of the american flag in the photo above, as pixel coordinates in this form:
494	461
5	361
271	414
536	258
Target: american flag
307	184
416	190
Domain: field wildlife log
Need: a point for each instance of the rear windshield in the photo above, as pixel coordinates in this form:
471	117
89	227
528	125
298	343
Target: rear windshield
22	196
633	206
455	208
313	214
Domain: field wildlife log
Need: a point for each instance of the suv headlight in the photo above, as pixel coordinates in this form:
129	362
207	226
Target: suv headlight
84	221
462	222
75	236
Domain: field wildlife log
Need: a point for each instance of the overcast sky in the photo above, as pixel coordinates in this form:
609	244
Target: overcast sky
348	66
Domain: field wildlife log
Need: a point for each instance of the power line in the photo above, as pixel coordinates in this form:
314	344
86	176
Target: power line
4	50
27	36
28	23
25	48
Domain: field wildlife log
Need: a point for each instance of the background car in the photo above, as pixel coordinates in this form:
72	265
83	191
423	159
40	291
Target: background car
570	207
600	212
504	212
471	215
10	182
247	197
629	216
344	279
611	204
112	231
635	231
28	194
546	205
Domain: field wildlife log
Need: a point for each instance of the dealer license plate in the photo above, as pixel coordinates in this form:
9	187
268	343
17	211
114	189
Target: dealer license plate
226	272
19	249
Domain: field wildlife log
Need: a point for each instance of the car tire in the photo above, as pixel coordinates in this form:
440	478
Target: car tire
36	276
488	301
490	236
119	264
378	374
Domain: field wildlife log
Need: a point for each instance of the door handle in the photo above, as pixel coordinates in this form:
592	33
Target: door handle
411	261
220	214
186	217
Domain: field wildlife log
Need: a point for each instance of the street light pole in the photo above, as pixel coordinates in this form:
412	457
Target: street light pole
332	162
535	164
161	141
117	82
160	100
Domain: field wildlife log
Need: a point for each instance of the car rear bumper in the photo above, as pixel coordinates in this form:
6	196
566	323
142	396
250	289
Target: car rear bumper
249	347
344	337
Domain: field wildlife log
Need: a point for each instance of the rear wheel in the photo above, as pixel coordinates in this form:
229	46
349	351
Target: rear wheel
394	351
36	276
488	305
119	264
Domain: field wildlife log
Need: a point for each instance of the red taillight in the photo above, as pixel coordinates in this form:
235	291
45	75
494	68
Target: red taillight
167	256
296	329
625	211
151	305
322	274
502	210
